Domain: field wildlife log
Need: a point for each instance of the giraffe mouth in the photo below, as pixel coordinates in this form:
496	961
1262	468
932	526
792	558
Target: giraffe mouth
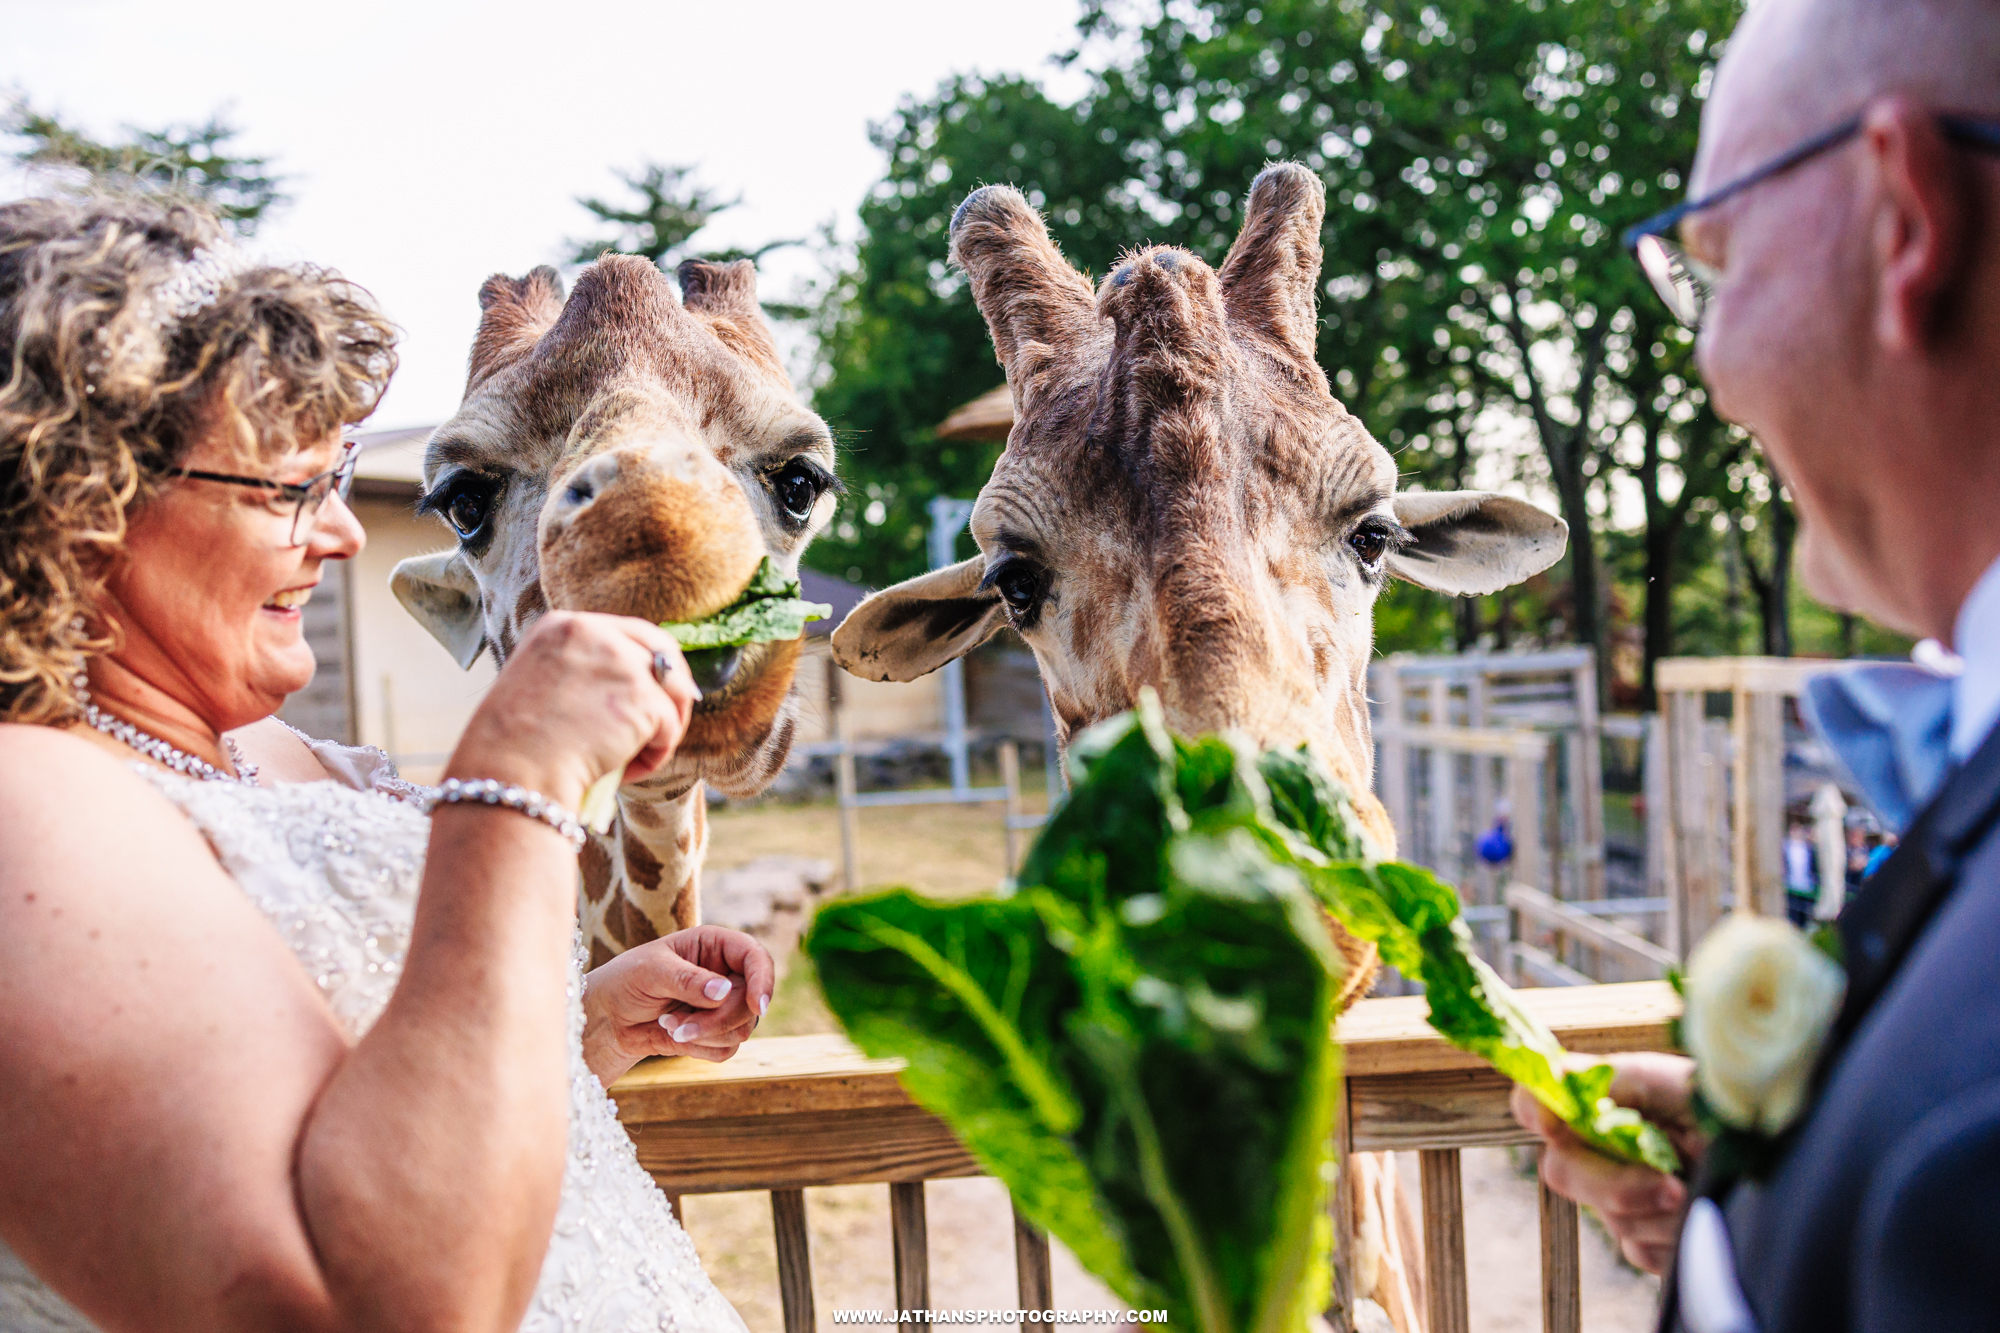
714	668
726	675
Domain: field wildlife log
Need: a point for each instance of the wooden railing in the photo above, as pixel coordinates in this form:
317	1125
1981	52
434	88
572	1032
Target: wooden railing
791	1113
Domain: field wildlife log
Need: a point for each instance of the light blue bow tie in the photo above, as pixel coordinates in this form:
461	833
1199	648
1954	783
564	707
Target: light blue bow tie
1890	727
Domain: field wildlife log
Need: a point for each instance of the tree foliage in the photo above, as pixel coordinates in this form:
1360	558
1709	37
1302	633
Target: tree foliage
1481	159
194	159
667	208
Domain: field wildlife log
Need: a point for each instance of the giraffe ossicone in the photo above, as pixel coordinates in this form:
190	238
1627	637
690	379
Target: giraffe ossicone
621	449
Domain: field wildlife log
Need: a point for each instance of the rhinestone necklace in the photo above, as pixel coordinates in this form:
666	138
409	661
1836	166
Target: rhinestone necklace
153	747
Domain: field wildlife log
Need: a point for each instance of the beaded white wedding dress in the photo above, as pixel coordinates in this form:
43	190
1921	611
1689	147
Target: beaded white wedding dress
336	866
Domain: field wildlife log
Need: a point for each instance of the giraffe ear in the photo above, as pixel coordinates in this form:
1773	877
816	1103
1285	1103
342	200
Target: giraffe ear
1027	291
917	626
1470	543
442	593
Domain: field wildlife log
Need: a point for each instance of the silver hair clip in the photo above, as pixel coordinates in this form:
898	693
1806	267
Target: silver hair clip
197	283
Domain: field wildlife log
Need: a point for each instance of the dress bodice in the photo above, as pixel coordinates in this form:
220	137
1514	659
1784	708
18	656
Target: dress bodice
335	867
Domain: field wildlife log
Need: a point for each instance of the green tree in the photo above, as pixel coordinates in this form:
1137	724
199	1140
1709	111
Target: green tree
668	207
1480	160
901	341
195	159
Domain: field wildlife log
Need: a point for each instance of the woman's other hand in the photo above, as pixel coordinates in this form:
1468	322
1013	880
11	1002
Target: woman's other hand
1640	1206
577	699
697	992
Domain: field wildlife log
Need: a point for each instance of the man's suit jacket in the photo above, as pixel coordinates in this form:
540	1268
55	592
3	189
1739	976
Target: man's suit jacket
1884	1212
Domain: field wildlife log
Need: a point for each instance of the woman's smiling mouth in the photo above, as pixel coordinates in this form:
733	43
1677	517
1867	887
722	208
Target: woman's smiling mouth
291	599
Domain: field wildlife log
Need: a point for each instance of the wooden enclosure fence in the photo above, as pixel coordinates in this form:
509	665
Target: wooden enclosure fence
1442	760
792	1113
1726	786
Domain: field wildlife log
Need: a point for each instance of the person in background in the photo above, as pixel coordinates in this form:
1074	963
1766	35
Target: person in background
1801	879
1840	258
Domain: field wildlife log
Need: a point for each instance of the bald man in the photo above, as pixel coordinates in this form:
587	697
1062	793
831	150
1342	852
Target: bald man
1840	257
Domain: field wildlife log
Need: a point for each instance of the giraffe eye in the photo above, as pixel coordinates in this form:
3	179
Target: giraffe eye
1022	585
797	487
1373	540
467	501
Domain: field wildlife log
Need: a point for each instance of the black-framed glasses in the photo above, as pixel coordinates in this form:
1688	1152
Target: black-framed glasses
1685	283
310	494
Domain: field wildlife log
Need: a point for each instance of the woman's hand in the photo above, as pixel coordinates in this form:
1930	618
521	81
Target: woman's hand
1641	1207
578	699
696	992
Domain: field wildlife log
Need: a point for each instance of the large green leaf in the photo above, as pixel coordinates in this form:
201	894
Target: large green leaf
1414	920
1138	1041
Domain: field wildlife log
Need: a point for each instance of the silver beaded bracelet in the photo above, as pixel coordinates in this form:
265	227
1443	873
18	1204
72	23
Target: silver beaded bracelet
487	791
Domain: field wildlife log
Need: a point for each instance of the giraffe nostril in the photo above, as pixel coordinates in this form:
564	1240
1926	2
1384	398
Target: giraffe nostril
577	493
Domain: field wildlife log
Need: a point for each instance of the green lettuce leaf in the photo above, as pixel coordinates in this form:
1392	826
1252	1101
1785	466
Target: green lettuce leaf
1414	920
769	608
1138	1040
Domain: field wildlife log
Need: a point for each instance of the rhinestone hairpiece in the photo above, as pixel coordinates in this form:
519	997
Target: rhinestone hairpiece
198	281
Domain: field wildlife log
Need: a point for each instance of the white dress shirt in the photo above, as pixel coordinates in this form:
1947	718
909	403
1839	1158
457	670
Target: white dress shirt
1975	694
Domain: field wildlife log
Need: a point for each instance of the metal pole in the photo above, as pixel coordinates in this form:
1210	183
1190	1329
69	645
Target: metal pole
1829	812
1010	777
948	519
1052	771
843	776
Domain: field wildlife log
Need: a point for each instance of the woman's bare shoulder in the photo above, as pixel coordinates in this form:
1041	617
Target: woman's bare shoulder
71	809
49	763
279	753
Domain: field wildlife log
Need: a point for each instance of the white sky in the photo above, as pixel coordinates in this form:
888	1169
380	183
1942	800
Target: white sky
430	143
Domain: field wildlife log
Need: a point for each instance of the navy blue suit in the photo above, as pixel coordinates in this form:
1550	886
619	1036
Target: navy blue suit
1884	1212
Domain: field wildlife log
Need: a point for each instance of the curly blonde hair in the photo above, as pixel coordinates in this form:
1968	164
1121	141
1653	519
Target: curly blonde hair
102	400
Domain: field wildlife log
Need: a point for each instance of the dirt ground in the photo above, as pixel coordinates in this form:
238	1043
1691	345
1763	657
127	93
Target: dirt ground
954	850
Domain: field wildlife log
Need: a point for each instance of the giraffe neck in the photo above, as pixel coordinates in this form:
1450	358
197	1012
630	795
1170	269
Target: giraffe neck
640	877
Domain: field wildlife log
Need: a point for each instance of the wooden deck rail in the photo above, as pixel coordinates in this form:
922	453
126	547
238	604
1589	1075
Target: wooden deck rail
791	1113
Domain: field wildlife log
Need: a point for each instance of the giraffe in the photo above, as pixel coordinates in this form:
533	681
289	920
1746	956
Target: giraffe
1183	504
620	450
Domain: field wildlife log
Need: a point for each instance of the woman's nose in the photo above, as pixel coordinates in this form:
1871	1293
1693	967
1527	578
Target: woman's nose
337	532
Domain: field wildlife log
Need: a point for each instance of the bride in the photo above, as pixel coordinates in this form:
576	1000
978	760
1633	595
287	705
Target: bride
283	1044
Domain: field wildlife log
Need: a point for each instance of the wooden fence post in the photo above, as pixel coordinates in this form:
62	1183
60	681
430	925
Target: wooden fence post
1034	1279
795	1290
1562	1267
1010	778
909	1240
1444	1241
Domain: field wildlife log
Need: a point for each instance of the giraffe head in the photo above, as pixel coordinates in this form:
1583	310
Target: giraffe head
1182	503
626	451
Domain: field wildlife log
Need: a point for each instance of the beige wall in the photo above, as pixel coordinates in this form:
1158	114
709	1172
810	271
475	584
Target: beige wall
877	710
410	697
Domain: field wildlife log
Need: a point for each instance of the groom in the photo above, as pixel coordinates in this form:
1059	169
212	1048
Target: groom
1848	303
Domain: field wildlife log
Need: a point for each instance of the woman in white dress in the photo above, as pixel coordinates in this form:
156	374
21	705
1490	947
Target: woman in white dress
280	1048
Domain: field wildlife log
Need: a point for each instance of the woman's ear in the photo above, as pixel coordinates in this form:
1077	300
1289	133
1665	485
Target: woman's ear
920	624
442	592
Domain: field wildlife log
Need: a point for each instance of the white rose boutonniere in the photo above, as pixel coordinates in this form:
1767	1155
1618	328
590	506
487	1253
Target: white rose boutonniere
1760	999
